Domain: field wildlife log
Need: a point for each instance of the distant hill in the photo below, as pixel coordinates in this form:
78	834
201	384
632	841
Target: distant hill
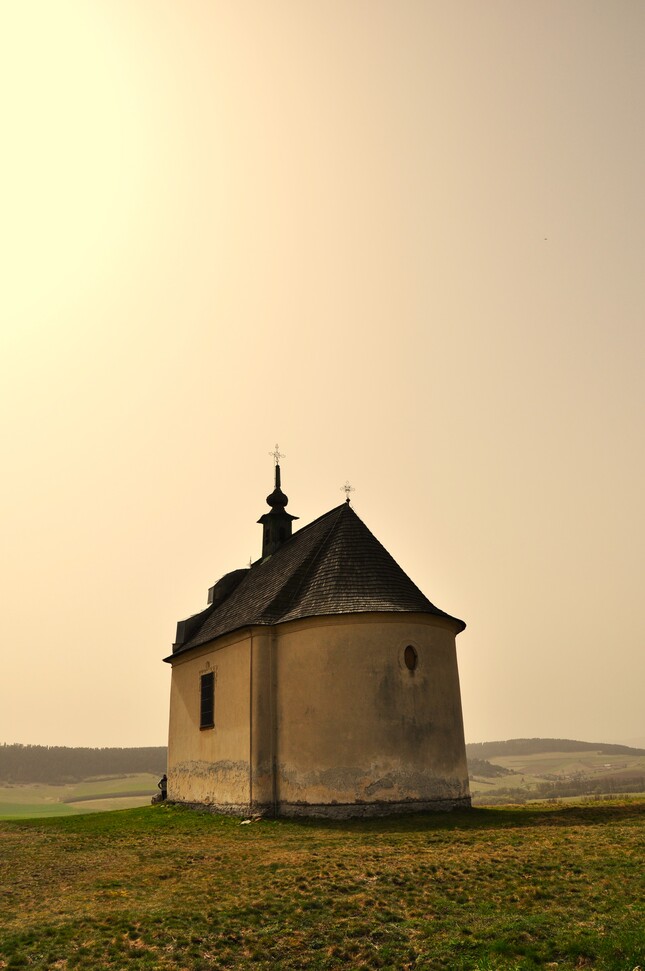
533	746
55	765
530	769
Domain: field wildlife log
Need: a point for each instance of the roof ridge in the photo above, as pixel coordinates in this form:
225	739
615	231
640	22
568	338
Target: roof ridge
309	563
294	536
303	529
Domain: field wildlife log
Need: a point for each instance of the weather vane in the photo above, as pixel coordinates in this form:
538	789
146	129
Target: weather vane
347	488
277	454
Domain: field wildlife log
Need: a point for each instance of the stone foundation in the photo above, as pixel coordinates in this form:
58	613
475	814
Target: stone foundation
372	809
331	810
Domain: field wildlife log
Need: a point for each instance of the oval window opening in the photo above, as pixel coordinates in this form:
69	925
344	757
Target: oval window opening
410	657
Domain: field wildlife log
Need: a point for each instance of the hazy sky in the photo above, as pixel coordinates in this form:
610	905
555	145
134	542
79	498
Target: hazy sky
405	240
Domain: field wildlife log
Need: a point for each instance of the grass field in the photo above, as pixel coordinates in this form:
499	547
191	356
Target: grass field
166	888
93	795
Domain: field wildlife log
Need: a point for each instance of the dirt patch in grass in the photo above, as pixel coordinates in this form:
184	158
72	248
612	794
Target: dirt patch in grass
163	887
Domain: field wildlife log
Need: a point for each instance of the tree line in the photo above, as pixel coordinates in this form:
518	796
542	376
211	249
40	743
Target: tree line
57	765
533	746
549	790
488	770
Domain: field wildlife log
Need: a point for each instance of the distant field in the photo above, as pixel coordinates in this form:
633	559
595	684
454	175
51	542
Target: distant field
167	889
532	776
95	795
534	773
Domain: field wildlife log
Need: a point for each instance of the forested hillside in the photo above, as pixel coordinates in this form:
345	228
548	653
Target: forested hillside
533	746
57	765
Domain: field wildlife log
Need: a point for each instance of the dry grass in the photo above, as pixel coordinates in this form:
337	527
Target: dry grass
166	888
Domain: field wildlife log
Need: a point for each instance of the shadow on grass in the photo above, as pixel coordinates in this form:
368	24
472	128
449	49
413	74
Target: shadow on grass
486	818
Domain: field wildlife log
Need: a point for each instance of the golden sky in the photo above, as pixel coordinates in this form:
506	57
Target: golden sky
403	239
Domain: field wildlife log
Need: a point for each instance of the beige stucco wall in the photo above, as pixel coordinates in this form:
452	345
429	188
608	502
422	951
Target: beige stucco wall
211	765
322	713
354	725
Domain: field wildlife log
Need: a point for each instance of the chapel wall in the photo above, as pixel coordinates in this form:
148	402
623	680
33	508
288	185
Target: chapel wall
211	766
356	728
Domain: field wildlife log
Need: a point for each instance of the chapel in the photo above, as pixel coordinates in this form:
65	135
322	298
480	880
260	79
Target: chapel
319	681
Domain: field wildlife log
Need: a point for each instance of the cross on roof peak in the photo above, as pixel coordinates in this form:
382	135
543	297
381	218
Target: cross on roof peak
277	454
347	488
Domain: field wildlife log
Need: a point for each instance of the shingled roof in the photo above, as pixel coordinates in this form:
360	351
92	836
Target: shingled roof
335	565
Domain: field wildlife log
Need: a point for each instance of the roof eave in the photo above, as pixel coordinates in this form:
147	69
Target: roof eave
459	625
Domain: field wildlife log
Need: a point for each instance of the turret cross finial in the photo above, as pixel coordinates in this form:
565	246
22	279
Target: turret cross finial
347	488
277	454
